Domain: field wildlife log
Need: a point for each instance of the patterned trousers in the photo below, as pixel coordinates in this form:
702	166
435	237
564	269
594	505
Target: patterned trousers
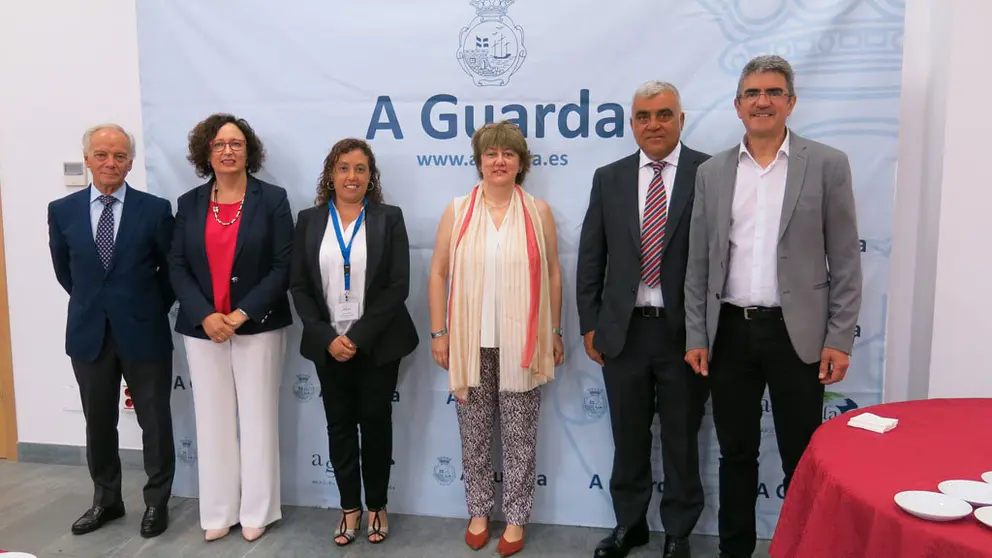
518	413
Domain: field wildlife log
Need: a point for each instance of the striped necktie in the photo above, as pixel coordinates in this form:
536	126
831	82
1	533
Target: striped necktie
653	228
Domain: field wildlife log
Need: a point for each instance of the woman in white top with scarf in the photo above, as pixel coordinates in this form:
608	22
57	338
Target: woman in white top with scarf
349	279
495	303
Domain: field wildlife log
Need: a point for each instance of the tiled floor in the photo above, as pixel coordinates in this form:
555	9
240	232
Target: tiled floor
38	503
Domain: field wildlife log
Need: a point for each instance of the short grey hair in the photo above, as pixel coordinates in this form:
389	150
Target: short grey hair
650	89
769	63
88	137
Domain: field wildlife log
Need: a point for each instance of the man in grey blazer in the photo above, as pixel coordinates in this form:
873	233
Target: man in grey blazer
773	287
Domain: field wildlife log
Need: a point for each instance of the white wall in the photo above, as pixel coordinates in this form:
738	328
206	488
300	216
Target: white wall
938	311
65	66
959	365
916	211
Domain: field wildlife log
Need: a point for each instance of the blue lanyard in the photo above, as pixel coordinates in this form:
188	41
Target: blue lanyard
346	248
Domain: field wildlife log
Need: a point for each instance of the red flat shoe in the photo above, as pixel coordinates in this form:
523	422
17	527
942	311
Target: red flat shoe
507	548
475	541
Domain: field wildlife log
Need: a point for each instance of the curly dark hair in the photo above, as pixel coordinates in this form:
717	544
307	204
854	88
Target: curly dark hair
325	184
205	132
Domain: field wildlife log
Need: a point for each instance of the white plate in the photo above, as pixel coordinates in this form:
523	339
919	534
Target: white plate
933	506
973	492
984	515
987	477
18	555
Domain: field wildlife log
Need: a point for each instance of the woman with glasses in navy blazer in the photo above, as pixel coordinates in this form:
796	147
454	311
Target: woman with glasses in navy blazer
229	266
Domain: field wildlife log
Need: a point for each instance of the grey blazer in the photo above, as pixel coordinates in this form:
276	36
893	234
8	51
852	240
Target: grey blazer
819	252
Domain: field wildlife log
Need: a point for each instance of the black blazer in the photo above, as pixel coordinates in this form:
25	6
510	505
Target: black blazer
262	254
385	332
606	294
133	294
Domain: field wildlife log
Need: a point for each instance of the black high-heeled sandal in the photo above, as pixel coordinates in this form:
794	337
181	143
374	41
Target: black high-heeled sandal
375	527
343	531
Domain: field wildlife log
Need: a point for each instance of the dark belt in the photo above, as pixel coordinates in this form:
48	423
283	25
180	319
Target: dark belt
649	311
754	312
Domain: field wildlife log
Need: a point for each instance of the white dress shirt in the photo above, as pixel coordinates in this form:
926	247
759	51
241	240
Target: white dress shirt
647	296
759	193
332	270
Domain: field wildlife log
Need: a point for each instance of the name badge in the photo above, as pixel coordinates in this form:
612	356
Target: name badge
346	308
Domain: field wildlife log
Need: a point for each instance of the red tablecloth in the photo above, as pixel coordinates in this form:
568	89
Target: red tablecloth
840	503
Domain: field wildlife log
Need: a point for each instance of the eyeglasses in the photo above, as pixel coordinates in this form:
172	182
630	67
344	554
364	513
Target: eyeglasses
236	145
775	94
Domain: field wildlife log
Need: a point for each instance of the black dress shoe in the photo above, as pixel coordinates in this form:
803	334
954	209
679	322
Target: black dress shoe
621	541
676	548
155	521
96	517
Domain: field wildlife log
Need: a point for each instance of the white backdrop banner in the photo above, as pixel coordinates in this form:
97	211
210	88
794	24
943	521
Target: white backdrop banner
416	78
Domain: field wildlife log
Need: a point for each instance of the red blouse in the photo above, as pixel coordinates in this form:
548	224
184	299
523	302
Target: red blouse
220	241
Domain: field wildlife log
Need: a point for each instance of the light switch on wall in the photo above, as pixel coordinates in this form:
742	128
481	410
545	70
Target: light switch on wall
75	174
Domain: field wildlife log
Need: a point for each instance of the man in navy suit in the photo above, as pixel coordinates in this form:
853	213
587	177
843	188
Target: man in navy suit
109	244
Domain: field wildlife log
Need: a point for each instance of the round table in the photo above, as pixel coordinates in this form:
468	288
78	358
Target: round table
840	502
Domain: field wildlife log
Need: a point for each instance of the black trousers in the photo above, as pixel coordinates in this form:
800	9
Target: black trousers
651	376
358	395
150	385
749	354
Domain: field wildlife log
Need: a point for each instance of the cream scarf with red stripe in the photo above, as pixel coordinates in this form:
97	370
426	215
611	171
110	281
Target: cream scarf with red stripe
526	343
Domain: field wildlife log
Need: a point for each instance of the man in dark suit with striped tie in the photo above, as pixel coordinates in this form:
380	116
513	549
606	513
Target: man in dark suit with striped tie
109	244
629	290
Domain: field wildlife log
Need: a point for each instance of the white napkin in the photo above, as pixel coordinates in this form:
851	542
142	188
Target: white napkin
872	422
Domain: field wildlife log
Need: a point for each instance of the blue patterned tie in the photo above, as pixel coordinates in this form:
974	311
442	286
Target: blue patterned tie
105	230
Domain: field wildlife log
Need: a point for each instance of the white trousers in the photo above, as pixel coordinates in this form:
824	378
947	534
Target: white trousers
236	388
